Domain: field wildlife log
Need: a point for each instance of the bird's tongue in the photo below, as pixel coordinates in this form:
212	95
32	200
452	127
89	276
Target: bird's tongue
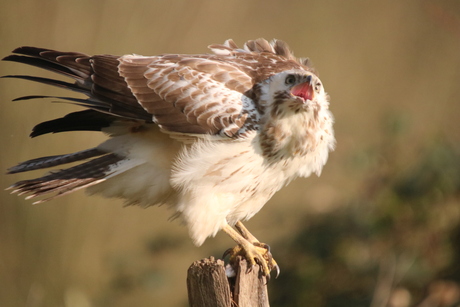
304	90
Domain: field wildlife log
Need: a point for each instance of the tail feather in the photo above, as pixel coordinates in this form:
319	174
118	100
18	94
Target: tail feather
69	180
51	161
63	189
41	188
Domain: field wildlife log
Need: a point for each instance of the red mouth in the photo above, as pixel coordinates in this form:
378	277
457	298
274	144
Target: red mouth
303	90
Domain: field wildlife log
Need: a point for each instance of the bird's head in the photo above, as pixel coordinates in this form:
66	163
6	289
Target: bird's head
294	91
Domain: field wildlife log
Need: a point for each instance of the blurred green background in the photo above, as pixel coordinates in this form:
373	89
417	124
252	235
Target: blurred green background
380	227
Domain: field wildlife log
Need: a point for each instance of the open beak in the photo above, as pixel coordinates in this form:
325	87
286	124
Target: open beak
303	90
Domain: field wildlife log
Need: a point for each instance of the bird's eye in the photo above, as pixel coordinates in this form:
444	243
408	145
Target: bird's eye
290	80
317	86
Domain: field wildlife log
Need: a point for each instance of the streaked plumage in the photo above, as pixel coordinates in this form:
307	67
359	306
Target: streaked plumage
214	135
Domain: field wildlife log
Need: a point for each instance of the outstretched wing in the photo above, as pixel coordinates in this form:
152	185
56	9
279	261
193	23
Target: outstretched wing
189	94
94	76
212	93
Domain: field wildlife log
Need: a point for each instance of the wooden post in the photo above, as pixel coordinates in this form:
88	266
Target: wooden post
208	285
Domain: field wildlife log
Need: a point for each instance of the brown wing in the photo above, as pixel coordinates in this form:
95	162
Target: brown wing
189	94
209	93
97	77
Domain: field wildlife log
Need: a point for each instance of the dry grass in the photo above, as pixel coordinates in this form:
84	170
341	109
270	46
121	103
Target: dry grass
396	59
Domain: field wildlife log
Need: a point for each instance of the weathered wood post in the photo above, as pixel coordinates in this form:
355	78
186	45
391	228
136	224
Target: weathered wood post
208	285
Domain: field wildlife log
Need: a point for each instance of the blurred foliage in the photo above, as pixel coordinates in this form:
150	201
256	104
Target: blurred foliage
379	228
401	232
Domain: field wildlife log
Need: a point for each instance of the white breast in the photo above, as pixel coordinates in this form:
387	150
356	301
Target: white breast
224	182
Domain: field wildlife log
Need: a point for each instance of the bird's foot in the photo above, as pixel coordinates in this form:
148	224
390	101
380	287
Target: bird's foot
255	253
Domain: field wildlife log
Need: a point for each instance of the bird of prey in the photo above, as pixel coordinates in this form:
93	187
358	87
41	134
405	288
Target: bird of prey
212	135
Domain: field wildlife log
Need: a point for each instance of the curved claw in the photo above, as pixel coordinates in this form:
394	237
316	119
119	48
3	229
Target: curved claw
277	268
270	260
250	268
264	265
227	252
263	245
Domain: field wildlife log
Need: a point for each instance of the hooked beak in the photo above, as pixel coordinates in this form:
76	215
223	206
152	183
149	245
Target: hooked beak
303	90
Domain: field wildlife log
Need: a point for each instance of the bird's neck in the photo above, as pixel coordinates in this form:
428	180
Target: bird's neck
289	136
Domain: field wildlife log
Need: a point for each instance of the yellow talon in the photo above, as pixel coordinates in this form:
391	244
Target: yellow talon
251	249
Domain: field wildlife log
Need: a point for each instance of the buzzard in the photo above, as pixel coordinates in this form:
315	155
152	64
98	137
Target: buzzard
212	135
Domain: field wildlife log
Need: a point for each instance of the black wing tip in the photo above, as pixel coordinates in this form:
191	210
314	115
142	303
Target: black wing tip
24	50
30	50
12	170
10	58
29	97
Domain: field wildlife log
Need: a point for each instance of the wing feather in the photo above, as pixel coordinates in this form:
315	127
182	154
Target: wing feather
208	93
196	94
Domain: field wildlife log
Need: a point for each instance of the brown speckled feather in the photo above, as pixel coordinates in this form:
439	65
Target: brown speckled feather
206	93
